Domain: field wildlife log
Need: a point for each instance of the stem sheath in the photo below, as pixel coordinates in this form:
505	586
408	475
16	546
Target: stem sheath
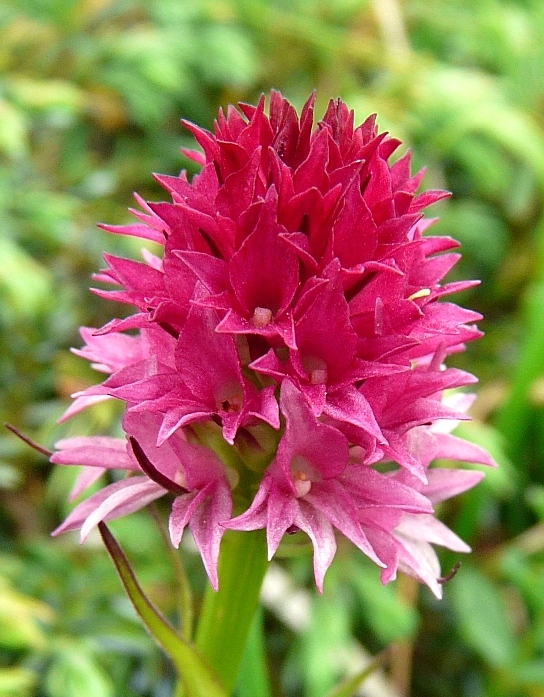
226	616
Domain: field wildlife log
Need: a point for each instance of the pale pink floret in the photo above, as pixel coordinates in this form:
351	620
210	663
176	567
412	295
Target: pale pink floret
191	471
96	454
405	538
311	487
205	379
198	478
113	501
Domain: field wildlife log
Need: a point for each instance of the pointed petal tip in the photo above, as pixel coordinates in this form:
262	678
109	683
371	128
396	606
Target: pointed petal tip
436	590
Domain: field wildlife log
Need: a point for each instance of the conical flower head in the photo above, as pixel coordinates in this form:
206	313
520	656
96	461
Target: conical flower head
291	334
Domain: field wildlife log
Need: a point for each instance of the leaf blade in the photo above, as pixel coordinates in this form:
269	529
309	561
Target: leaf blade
197	676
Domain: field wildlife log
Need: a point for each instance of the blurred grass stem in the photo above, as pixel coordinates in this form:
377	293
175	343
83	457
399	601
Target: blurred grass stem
389	16
401	665
183	588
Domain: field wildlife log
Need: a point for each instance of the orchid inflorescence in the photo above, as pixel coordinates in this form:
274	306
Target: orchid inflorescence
288	367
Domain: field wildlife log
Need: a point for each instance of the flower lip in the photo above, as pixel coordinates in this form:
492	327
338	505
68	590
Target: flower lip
303	475
229	398
302	483
316	369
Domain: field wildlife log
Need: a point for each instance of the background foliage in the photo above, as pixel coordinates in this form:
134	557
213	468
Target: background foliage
91	92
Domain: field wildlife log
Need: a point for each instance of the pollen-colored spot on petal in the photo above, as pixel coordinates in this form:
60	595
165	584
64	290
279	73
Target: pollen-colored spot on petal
303	474
261	317
180	479
230	399
423	293
378	317
316	369
318	377
302	483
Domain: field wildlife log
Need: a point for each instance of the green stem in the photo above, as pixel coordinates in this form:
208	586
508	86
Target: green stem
226	616
180	689
183	587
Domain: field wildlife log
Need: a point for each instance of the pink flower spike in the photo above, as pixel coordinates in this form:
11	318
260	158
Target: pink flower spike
286	349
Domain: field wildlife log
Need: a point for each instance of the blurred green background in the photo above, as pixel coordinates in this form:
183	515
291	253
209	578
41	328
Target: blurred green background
91	93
